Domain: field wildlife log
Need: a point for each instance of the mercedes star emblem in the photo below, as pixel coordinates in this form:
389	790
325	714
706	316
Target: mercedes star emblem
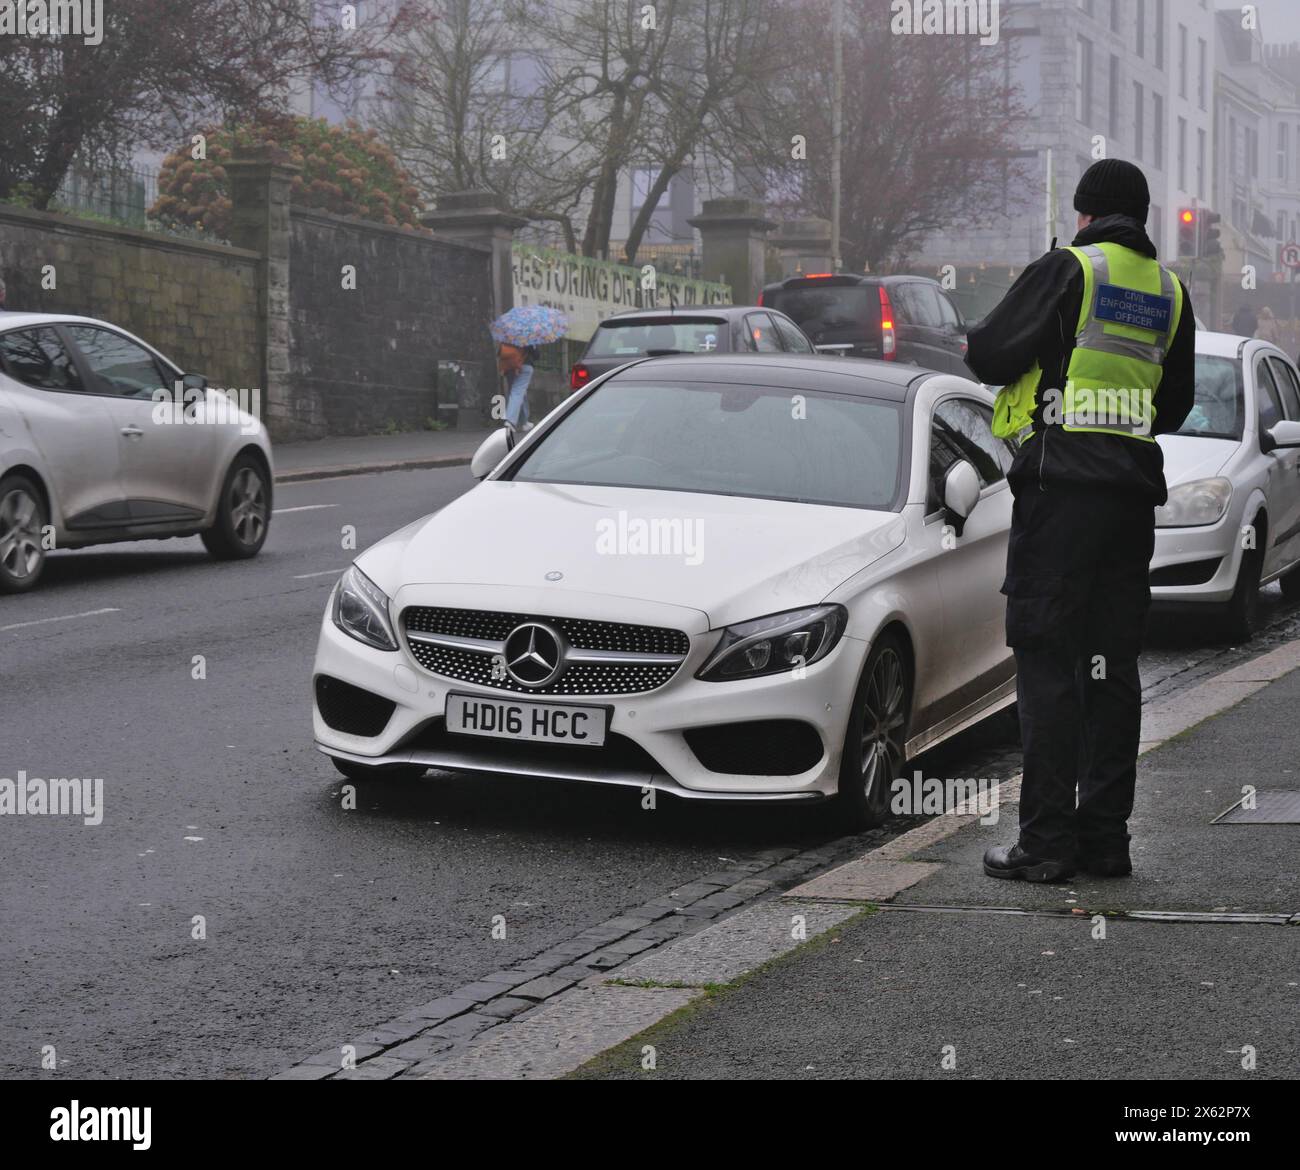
534	654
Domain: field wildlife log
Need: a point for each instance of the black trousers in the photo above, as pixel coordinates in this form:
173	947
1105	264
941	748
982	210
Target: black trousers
1077	601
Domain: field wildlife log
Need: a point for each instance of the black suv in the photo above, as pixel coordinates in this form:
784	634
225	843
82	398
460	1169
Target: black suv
894	318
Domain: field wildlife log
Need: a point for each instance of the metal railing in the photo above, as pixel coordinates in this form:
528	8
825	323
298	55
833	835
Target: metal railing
122	194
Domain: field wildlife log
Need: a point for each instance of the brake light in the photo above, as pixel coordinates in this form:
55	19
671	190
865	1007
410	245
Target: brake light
888	346
760	298
818	275
579	376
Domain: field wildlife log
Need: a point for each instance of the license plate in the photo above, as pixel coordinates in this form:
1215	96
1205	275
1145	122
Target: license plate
515	719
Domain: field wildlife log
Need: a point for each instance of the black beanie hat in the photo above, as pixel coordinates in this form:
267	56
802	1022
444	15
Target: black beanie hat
1113	187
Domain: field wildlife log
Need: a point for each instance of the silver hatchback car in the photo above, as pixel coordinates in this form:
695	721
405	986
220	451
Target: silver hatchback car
1232	522
102	439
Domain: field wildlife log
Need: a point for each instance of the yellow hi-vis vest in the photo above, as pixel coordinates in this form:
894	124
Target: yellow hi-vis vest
1128	317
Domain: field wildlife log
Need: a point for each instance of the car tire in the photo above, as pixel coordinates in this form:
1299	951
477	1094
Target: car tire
1290	582
22	523
874	755
369	773
243	513
1241	615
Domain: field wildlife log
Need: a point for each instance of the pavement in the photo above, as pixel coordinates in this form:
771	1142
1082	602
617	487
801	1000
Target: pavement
363	454
1190	968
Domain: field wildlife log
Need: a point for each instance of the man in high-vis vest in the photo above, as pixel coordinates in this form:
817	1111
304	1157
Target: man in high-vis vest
1094	348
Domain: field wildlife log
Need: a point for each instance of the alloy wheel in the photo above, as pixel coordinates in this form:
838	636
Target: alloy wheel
883	719
20	534
247	506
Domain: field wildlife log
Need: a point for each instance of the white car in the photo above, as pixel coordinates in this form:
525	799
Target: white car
756	577
1232	521
102	439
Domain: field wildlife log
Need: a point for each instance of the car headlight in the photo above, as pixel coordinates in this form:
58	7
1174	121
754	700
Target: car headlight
1191	505
361	611
775	644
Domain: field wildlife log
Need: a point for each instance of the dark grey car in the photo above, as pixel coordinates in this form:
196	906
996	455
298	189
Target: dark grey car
693	329
894	318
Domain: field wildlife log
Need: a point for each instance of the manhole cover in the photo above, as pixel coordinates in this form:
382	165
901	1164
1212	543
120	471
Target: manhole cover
1271	808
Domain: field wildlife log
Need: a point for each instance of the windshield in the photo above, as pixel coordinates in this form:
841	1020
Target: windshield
637	338
1219	410
736	440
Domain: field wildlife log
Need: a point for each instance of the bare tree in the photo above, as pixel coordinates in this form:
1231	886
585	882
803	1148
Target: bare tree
930	125
164	64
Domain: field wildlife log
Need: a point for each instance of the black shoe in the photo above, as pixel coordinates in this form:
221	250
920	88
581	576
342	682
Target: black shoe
1113	866
1010	861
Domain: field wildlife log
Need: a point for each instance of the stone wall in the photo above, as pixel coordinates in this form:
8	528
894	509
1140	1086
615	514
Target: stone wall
409	338
195	302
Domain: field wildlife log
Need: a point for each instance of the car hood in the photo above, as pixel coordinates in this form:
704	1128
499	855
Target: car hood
1189	457
730	558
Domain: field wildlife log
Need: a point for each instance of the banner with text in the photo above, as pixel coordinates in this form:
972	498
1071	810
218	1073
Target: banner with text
589	290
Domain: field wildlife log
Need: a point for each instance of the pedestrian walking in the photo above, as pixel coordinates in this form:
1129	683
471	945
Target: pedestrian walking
1267	328
1244	321
518	332
516	366
1094	346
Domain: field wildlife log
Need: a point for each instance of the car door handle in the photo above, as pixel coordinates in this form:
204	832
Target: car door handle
132	432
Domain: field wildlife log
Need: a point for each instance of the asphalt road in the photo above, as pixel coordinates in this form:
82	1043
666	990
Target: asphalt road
319	923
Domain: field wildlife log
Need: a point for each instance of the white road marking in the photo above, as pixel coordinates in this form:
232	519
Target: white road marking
66	618
303	508
323	573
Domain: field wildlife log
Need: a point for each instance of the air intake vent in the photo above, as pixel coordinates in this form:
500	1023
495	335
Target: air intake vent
351	710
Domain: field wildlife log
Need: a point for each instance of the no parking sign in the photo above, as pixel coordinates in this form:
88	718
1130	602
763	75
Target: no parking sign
1291	254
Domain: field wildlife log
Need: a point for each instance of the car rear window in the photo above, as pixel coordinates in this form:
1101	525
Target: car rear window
831	314
1218	411
632	339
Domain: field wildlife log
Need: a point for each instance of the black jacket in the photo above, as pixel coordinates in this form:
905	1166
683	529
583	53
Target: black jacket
1036	321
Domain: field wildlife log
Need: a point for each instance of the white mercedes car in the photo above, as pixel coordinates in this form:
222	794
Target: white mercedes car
759	577
1232	522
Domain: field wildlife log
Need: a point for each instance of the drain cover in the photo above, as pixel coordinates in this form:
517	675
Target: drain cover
1271	808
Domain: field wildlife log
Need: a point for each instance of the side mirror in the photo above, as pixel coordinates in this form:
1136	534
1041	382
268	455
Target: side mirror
491	451
1281	434
194	382
961	492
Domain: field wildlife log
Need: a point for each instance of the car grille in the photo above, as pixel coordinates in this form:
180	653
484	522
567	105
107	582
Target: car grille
468	644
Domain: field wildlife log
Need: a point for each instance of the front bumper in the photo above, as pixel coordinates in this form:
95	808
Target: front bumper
1196	566
648	744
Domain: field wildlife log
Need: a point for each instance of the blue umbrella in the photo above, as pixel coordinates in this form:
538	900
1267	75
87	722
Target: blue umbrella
526	325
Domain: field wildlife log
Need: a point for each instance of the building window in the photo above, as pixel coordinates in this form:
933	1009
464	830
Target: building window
1182	61
1182	154
1283	150
1114	16
1158	130
1200	71
1252	151
1113	128
1141	40
1160	35
1083	81
1139	120
1200	164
